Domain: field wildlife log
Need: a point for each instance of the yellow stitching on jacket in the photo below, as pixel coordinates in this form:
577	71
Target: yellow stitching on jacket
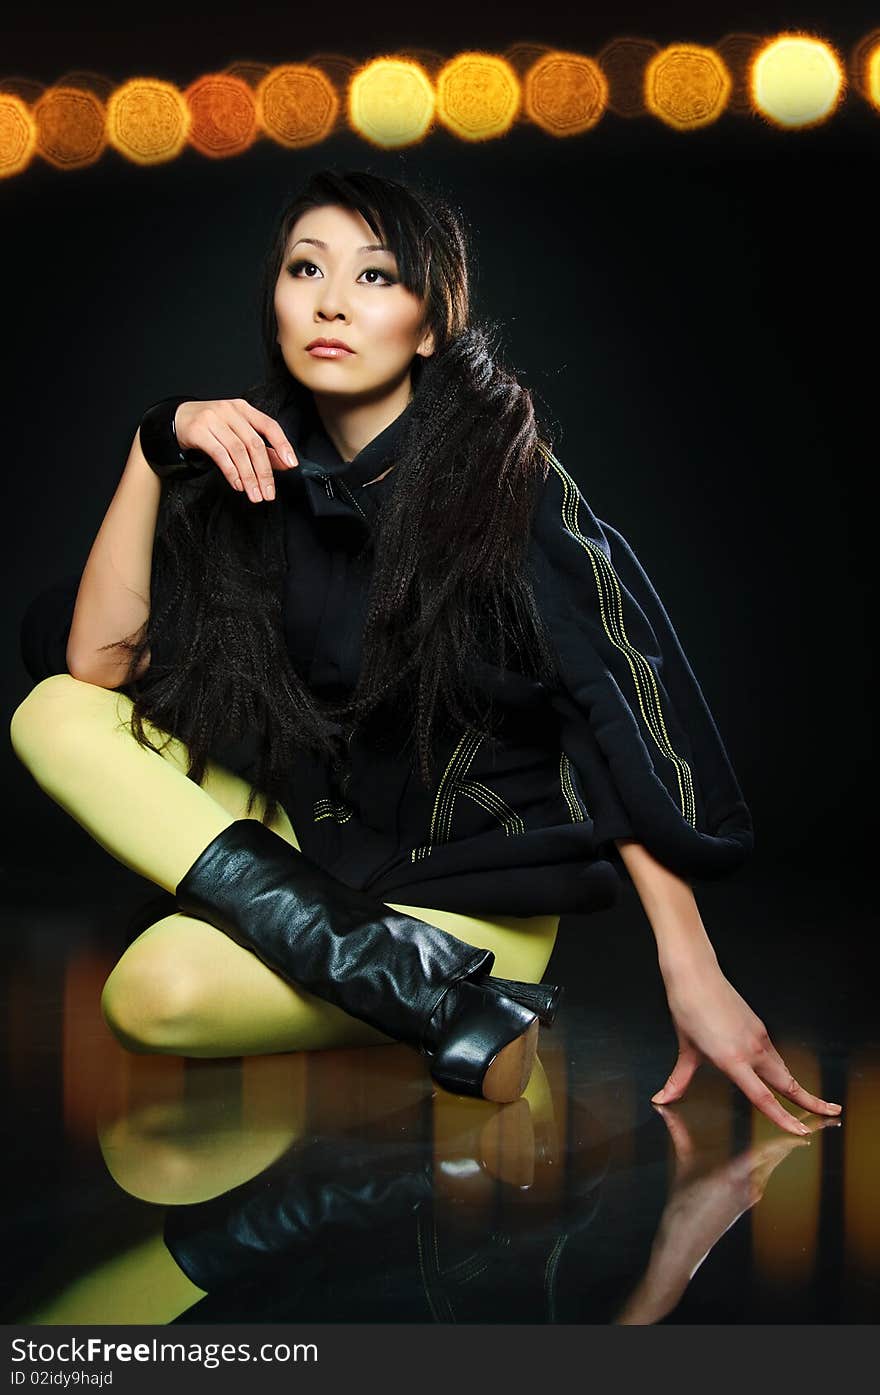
326	809
646	692
576	811
441	817
493	804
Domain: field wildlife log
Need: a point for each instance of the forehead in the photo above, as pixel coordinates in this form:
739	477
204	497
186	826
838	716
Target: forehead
342	229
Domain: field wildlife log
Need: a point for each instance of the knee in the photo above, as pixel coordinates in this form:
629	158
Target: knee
148	1001
55	717
49	713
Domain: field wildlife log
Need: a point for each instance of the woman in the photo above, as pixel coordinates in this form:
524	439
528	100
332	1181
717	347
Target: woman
375	563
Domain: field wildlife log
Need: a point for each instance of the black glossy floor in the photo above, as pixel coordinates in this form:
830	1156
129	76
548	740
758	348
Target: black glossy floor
342	1187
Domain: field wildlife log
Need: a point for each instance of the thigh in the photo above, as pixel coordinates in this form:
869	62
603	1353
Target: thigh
229	790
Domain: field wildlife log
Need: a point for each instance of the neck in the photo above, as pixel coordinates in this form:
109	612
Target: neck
351	423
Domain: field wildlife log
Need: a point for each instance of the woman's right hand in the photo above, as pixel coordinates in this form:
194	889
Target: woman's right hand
230	432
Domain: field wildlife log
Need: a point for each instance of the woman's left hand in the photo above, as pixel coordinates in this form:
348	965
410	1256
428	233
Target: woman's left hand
712	1021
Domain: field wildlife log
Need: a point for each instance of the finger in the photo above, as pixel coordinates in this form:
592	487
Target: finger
269	428
276	461
772	1069
680	1079
256	449
679	1133
241	456
763	1098
204	439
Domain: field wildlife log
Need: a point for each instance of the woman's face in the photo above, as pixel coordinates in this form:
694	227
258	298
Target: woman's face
330	288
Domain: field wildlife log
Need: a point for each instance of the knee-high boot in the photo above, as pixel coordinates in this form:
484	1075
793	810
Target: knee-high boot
411	980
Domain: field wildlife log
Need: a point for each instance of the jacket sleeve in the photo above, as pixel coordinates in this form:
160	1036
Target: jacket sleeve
45	629
633	718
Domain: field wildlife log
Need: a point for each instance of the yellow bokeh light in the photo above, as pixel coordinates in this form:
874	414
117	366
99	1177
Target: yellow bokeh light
71	130
147	120
687	86
224	115
18	135
796	81
872	77
565	93
478	96
297	105
391	102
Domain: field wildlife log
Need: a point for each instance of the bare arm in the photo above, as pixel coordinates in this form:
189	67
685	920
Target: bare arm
711	1019
113	600
671	909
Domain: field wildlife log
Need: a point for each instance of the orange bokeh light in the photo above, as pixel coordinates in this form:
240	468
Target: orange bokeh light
71	127
297	105
223	115
565	93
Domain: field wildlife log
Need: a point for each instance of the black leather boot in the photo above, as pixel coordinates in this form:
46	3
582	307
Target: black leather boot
407	978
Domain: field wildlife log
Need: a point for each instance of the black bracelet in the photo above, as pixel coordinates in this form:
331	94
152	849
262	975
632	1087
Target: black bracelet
161	447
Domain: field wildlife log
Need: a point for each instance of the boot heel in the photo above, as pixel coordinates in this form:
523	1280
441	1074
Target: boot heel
542	998
488	1048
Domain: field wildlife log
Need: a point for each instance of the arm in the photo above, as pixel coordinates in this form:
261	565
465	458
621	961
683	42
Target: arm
113	598
711	1020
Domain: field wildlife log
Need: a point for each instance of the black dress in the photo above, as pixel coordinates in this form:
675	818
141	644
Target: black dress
622	746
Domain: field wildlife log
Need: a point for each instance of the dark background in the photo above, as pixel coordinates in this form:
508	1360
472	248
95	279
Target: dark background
697	311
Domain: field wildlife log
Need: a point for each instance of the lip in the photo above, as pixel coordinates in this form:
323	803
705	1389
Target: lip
329	348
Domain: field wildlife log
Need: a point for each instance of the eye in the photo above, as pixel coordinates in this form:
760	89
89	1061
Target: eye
295	267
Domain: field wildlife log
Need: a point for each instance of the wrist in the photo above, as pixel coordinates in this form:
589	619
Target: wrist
685	954
160	445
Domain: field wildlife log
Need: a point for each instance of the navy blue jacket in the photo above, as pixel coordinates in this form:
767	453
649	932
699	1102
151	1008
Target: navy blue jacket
622	746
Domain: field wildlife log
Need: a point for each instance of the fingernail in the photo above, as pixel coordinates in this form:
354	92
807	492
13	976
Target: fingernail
290	458
802	1128
835	1107
270	492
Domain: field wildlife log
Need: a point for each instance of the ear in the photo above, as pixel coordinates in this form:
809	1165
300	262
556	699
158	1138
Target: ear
426	348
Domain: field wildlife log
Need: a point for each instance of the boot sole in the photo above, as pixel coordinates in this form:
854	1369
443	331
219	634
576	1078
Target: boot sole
509	1072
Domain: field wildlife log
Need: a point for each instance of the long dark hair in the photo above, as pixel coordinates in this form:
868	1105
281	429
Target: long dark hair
448	591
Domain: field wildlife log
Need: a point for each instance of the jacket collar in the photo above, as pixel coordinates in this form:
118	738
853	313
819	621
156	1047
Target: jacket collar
334	486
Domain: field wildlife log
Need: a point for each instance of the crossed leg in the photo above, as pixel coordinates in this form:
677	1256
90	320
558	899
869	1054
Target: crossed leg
183	987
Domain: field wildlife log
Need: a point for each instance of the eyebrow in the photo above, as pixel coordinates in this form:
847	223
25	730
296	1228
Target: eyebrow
316	242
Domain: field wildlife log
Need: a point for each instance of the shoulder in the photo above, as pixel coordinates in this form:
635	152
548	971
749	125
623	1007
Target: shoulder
564	524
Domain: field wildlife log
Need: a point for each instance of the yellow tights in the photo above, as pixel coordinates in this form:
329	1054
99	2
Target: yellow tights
183	987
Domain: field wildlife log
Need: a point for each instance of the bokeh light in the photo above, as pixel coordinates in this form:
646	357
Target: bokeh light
478	96
71	127
18	134
687	86
297	105
148	121
223	115
565	93
391	102
796	81
793	80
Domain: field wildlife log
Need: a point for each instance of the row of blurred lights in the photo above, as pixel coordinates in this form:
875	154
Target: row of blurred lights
793	81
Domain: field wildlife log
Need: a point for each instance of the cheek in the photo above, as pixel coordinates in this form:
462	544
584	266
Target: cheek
396	329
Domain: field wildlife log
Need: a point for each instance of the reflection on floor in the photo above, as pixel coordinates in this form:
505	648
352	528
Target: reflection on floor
342	1186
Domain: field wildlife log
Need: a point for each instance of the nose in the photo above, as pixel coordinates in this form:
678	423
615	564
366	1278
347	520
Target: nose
331	303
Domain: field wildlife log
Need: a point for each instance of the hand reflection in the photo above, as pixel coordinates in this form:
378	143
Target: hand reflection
705	1200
